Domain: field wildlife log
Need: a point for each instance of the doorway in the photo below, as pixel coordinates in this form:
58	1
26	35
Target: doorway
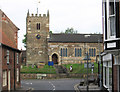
55	58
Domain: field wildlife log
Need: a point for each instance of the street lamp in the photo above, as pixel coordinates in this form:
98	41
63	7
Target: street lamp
87	57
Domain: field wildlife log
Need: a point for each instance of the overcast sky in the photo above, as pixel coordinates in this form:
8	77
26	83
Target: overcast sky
85	16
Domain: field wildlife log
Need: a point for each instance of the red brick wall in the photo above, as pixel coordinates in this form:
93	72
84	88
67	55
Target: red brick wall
115	78
10	66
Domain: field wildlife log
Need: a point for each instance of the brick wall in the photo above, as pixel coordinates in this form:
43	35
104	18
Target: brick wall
10	67
115	78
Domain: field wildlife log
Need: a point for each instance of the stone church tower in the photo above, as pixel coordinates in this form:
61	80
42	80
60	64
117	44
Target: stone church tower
37	29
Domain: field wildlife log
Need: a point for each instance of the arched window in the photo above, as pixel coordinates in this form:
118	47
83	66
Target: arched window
75	52
80	52
66	52
90	52
94	52
61	52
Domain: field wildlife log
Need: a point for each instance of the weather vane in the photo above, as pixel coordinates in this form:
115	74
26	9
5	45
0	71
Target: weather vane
38	5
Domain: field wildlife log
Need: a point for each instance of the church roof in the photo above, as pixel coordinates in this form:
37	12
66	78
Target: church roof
75	38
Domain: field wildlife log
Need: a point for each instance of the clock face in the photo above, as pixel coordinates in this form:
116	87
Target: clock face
38	36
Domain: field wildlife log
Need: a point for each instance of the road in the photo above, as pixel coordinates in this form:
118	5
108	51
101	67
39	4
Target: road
50	85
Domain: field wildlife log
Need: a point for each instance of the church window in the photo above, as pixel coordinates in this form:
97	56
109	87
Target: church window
92	52
61	51
78	52
64	52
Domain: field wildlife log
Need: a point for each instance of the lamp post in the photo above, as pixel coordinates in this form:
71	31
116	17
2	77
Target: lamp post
87	57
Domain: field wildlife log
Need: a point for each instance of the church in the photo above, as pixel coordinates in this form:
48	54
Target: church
61	48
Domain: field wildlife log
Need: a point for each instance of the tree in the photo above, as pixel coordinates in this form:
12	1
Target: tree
24	40
70	31
50	32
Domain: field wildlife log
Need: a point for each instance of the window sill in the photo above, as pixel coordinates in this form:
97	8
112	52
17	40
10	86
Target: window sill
113	39
4	85
105	87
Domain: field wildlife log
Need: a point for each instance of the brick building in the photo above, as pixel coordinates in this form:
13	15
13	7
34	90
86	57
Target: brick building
59	48
111	55
9	54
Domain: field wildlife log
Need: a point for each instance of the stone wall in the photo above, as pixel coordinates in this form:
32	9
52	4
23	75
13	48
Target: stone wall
54	76
55	48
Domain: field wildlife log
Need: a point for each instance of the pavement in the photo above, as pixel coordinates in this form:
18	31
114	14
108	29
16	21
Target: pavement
91	88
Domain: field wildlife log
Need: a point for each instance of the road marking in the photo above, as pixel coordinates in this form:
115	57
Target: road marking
52	86
29	83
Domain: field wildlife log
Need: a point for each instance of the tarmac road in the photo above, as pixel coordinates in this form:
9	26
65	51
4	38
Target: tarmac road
50	85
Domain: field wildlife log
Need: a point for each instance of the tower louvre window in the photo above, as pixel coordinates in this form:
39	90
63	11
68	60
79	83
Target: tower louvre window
38	26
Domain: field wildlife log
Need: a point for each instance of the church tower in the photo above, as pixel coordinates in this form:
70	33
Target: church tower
37	29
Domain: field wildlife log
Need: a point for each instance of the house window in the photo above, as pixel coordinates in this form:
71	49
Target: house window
17	58
64	52
17	74
4	78
7	56
78	52
112	18
38	26
107	74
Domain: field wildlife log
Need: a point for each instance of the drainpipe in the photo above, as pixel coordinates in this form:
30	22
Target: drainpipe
14	72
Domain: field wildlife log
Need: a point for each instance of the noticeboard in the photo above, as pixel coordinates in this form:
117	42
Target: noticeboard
50	63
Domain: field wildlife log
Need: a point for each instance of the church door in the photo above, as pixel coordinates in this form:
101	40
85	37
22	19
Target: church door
55	58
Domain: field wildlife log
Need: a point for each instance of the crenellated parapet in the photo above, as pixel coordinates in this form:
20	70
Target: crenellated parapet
38	15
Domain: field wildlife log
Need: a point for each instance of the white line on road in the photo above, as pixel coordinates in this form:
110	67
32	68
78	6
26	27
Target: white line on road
52	85
29	83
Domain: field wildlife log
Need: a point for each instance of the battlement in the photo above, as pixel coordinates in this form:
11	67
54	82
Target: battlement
38	15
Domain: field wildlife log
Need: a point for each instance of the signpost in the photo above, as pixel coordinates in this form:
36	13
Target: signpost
87	58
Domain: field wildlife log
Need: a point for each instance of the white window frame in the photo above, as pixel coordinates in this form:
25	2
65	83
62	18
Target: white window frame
4	78
17	74
109	36
17	58
107	64
8	57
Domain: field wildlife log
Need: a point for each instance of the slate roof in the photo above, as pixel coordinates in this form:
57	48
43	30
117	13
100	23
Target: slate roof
75	38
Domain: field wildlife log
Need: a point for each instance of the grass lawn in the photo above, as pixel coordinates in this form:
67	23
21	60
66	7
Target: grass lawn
45	70
79	68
